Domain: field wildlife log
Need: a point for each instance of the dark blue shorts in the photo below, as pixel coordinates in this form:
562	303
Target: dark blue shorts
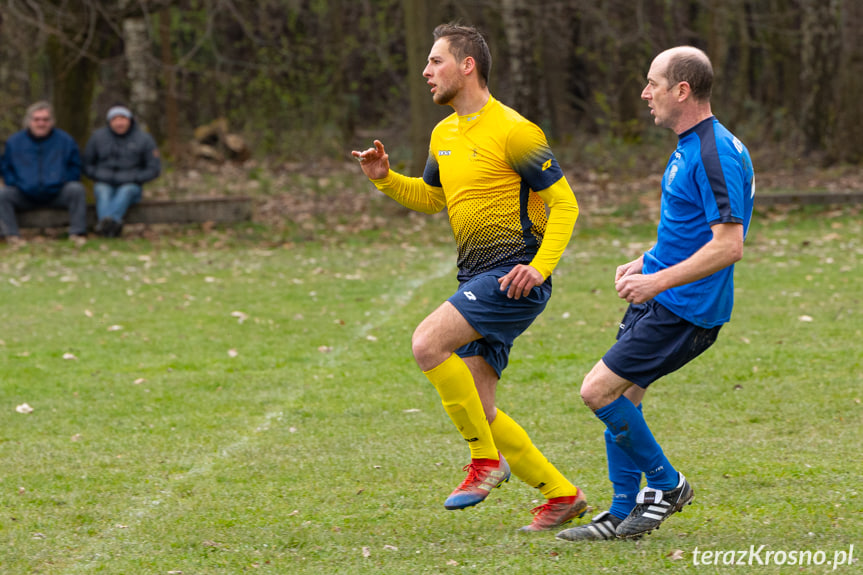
653	342
498	319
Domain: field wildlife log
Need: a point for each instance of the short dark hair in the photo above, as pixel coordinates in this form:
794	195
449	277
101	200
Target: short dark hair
467	41
694	68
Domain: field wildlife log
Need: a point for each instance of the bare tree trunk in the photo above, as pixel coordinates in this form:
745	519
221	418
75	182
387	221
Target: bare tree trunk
418	30
848	143
137	49
557	53
170	127
818	58
73	84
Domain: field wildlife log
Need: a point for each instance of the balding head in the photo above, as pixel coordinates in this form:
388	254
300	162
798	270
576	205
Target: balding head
690	65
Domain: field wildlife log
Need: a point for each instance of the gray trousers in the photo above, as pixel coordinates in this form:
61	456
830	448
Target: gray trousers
72	196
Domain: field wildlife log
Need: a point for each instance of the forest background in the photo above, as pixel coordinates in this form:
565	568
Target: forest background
304	81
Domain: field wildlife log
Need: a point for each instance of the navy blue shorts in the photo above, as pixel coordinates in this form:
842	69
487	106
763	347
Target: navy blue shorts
498	319
653	342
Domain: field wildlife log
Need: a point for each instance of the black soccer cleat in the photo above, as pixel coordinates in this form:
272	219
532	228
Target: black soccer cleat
653	507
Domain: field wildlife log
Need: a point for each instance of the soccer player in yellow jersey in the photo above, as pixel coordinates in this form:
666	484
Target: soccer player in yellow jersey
495	174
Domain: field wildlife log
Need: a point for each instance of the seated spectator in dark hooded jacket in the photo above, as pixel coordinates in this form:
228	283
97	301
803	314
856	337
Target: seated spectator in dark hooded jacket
119	158
41	168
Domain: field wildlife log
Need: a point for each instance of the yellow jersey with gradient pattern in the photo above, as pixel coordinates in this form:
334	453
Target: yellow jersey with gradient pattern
495	173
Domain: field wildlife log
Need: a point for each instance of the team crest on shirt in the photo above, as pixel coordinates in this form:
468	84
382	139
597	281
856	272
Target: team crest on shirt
672	173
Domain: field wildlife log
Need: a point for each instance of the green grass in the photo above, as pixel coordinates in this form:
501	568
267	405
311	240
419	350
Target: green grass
319	447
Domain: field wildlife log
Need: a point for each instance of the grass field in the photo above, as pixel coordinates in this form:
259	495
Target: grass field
241	405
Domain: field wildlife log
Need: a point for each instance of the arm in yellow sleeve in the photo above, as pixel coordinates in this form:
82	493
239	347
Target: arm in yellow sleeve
412	193
563	211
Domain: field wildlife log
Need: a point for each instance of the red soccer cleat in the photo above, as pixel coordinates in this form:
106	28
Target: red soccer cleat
483	475
557	511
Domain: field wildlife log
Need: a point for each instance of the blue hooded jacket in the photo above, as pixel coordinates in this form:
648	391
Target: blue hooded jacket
39	167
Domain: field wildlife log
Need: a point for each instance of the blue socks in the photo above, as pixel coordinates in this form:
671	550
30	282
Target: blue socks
631	448
624	475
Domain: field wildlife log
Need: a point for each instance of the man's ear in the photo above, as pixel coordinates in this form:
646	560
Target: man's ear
468	65
684	91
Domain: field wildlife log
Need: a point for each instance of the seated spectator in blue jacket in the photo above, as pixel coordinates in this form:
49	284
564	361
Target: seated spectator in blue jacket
119	158
42	169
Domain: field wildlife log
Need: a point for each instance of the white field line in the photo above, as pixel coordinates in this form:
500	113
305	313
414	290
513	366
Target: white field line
89	556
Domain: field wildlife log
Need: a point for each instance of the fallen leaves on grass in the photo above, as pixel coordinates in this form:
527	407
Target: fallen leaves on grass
139	381
367	552
115	328
24	408
325	349
805	318
233	353
69	356
241	317
675	555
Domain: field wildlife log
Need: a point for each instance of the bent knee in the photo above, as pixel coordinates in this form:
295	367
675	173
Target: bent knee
424	351
74	189
595	394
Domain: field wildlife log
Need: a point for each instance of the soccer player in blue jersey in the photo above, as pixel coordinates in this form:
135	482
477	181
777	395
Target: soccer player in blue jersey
495	174
680	293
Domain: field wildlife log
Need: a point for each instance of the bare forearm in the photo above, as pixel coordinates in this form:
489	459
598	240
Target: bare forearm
724	249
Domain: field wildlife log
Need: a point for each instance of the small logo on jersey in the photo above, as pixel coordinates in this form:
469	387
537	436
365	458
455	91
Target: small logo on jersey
546	165
469	295
738	145
677	155
444	152
471	118
623	326
672	173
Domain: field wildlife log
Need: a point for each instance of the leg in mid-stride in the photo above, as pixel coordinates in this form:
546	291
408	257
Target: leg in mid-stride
465	366
434	341
652	342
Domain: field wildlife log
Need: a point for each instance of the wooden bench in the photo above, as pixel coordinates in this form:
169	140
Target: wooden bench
183	211
808	198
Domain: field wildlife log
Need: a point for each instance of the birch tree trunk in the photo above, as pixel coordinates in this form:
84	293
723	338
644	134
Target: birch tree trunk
137	49
518	21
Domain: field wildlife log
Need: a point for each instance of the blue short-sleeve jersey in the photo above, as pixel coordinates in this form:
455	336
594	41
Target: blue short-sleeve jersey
708	181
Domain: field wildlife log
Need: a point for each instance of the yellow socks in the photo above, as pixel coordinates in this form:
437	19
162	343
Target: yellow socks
526	461
460	399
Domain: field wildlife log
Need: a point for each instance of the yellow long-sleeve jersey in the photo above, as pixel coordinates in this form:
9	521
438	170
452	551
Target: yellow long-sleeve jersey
493	171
